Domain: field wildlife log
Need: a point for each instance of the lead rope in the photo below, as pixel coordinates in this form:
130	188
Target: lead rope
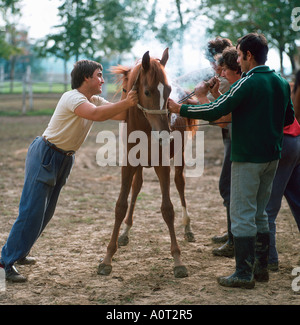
203	124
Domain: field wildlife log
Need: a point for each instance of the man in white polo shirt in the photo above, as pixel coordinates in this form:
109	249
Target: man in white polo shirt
50	158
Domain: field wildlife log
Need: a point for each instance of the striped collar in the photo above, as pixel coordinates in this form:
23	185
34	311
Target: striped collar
258	69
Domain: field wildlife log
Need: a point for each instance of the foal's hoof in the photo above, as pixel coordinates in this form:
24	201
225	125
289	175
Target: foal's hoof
104	269
123	240
180	271
189	236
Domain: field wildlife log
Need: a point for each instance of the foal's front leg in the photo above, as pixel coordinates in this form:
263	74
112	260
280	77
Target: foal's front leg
163	173
136	187
105	267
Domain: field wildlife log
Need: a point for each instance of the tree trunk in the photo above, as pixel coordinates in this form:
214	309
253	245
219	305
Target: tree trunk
293	64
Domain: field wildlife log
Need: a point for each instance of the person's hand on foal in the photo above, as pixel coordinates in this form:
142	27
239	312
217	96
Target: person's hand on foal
132	98
173	107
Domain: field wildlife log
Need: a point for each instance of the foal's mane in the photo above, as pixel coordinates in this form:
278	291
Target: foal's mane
155	72
121	72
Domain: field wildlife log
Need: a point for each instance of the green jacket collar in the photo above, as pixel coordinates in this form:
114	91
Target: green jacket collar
258	69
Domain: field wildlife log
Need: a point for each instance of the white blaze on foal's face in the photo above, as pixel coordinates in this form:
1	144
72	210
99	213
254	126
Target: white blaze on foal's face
159	122
161	88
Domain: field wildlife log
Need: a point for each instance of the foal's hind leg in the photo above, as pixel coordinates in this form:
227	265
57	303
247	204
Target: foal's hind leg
120	213
167	210
180	185
135	190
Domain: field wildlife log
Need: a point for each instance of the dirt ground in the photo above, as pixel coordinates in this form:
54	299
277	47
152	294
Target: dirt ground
69	250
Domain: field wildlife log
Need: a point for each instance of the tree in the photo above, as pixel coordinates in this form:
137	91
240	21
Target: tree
94	28
119	25
234	19
76	30
9	47
74	35
173	26
6	50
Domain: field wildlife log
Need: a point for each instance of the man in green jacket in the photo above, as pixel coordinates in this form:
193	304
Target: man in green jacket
261	106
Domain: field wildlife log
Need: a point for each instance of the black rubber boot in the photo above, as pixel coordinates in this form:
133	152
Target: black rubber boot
261	273
244	248
227	249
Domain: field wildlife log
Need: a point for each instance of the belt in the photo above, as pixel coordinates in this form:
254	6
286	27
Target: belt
53	146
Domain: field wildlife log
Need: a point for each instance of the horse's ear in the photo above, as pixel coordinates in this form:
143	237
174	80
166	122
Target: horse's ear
146	61
165	57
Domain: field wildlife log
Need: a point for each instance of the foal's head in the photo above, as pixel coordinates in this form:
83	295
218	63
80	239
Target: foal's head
153	89
149	78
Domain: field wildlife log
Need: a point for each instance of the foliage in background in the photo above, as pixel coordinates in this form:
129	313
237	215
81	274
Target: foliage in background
273	18
106	30
94	29
10	41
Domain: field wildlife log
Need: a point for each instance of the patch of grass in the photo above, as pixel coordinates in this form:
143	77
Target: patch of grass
46	88
37	87
41	112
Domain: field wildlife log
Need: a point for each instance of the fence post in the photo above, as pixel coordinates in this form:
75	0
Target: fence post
1	78
24	94
30	93
27	82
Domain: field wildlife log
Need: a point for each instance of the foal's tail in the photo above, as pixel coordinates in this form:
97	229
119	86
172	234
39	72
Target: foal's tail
191	125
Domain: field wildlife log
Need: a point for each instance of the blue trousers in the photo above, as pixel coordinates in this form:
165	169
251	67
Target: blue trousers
46	172
286	183
251	186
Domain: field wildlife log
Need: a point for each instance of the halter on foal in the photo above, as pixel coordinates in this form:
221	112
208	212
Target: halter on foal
150	115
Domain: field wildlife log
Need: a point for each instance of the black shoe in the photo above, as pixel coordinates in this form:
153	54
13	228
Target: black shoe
13	275
220	239
244	248
26	261
261	272
273	267
226	250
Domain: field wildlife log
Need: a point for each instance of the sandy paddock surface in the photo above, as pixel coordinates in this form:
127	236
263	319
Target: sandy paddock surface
69	250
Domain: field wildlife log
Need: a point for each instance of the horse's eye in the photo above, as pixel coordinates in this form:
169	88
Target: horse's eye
147	93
